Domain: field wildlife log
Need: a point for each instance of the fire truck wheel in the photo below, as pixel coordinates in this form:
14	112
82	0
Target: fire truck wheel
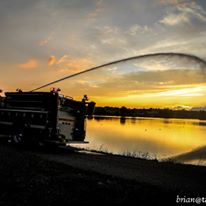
17	138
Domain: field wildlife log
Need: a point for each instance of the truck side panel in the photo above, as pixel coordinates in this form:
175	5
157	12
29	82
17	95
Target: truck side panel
43	116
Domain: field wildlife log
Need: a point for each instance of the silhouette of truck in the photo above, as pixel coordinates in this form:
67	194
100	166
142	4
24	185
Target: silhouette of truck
43	118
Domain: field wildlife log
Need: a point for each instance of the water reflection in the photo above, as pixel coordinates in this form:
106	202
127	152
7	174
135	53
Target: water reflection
122	120
159	137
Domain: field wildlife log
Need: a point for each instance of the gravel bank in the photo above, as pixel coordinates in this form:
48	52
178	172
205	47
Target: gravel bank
40	178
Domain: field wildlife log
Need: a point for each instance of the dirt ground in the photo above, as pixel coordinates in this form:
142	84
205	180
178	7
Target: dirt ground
62	177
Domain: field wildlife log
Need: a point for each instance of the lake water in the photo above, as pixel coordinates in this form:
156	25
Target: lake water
151	137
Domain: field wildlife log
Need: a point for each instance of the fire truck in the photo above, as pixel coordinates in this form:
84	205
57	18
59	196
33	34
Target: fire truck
43	118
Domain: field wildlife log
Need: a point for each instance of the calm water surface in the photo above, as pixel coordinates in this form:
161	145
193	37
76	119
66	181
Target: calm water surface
159	137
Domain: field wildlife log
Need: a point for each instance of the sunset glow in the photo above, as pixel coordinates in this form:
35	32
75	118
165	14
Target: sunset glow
44	40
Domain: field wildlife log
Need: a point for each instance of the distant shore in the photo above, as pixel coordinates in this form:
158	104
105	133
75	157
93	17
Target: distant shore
151	112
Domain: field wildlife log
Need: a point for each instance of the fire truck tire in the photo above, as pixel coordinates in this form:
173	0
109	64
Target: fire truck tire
17	137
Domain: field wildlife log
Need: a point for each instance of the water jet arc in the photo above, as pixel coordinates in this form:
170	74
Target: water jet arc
169	54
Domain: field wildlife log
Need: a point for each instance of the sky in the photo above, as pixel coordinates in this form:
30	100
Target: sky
44	40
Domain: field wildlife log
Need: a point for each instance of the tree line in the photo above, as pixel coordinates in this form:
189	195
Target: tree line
151	112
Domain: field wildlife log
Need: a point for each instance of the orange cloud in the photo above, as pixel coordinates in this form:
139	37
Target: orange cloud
62	59
78	63
52	60
72	63
29	64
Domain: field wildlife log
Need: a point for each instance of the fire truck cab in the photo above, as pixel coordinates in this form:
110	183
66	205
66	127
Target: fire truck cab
43	117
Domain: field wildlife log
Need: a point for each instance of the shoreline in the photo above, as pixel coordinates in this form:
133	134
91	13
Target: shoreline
50	177
145	117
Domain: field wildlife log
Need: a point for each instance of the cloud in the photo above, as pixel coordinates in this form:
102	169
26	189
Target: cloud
152	83
184	12
43	42
177	2
196	91
29	64
97	10
137	29
193	10
111	37
107	30
52	60
77	63
117	29
46	40
175	19
172	70
68	63
63	59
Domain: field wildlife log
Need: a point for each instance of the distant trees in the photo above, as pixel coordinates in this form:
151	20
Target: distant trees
151	112
123	111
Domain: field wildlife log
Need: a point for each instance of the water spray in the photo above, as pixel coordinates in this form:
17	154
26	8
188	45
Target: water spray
200	61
